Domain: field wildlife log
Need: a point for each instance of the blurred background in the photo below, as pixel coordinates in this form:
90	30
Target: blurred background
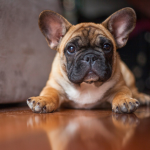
26	59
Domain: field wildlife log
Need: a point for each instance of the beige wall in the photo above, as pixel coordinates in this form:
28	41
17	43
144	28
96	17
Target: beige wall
25	58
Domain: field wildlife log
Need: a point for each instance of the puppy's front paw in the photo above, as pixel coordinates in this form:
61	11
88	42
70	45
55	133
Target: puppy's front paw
41	104
127	105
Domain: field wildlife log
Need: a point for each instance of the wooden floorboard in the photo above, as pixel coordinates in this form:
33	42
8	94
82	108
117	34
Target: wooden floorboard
68	129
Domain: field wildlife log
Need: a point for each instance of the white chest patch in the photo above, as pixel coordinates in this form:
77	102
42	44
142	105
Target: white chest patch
87	95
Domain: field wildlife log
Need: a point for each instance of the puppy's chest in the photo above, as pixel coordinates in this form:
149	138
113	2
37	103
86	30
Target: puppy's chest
85	96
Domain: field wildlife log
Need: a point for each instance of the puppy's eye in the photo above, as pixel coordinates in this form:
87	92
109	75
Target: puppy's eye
71	49
106	47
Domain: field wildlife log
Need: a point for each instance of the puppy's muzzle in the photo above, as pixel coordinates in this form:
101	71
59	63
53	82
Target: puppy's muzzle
90	60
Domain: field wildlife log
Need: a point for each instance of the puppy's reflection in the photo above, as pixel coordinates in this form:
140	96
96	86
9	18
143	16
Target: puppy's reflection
86	129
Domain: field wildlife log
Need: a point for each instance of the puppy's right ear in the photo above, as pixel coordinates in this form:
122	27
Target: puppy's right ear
53	26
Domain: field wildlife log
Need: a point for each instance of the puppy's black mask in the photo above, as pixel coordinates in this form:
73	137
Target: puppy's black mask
89	62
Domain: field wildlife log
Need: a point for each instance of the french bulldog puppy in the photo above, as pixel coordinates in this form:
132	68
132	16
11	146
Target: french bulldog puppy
87	69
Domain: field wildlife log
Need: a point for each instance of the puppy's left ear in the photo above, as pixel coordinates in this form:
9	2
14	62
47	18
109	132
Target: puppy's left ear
53	26
120	24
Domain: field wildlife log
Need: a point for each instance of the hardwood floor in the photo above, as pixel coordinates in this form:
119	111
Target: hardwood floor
68	129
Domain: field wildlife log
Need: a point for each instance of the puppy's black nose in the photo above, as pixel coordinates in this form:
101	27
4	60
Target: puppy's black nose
90	58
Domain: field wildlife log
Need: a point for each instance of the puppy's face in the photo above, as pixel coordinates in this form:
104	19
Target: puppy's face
87	50
89	55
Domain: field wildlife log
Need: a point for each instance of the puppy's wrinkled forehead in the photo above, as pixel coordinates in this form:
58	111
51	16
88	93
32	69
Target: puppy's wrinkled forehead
86	35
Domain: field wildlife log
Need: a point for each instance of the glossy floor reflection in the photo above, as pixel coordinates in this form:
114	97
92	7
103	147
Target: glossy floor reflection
69	129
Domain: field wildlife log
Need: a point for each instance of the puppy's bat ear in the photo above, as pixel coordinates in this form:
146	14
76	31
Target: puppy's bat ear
53	26
120	24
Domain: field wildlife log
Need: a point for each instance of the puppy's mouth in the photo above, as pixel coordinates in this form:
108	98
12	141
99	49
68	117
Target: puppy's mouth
91	77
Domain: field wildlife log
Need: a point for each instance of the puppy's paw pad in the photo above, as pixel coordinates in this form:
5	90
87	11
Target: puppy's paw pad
127	105
31	102
39	104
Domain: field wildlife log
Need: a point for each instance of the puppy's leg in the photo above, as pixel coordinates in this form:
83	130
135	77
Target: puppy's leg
48	101
143	98
123	101
130	82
